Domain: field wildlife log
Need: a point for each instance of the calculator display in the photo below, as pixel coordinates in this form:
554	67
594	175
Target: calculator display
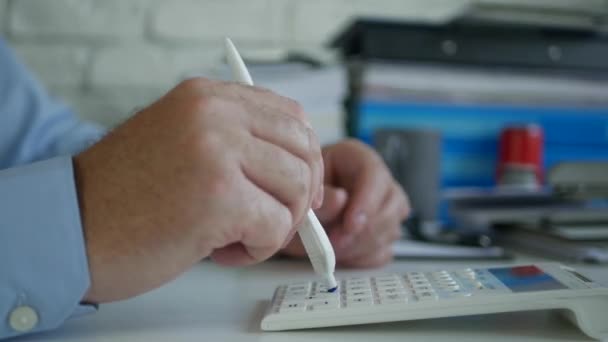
526	279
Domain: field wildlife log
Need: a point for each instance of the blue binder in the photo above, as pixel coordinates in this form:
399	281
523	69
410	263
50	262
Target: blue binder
470	133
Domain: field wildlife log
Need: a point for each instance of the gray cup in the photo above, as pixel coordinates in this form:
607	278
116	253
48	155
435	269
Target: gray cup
413	157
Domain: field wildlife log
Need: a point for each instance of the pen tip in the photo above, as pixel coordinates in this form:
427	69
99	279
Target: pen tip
228	43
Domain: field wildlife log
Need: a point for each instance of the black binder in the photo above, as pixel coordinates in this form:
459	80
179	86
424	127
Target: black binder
477	43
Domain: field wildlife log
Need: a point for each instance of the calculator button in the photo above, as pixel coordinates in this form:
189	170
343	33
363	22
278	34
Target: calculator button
365	293
448	285
391	280
426	295
391	291
453	293
393	299
357	282
386	280
357	288
293	307
321	288
324	305
390	287
422	288
417	279
299	287
361	301
325	296
416	283
299	294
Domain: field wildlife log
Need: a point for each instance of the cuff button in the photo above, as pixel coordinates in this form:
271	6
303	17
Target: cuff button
23	319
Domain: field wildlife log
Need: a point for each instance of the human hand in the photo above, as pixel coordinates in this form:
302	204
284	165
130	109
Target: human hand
363	206
211	169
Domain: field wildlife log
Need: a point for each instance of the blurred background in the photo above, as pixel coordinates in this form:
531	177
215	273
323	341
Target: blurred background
108	57
490	113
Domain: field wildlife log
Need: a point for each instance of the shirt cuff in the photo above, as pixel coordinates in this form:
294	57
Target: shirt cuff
43	260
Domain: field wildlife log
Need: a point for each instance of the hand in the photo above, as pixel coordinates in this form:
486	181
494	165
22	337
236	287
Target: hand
211	169
363	206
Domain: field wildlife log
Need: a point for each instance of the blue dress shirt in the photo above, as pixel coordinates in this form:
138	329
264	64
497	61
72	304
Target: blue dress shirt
43	264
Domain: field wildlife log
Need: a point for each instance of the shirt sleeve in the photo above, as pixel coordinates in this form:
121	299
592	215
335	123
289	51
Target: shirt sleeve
43	264
42	256
33	125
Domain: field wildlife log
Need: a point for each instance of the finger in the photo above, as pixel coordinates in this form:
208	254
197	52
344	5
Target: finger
334	201
291	239
370	243
265	98
232	255
238	92
266	223
397	205
405	203
291	135
265	101
366	197
295	247
347	236
279	173
383	230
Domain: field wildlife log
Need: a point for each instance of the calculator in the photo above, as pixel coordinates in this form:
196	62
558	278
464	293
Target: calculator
442	293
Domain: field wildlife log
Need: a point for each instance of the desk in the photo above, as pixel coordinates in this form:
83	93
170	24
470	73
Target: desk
210	303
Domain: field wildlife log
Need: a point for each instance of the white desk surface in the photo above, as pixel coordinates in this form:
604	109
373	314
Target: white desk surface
210	303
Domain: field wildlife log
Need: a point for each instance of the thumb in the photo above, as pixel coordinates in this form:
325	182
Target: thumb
334	202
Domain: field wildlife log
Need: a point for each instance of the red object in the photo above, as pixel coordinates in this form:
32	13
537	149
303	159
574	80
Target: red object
526	271
521	146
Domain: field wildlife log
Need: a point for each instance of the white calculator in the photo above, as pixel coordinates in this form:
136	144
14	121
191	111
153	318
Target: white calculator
444	293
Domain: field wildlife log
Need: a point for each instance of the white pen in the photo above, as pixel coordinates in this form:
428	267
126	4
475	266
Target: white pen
313	236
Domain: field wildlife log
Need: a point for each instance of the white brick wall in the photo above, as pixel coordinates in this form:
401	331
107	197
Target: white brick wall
59	65
148	65
68	19
255	21
313	19
107	57
2	15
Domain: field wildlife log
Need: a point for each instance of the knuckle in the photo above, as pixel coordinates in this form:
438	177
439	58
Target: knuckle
367	151
204	104
208	142
214	163
218	184
193	84
314	148
295	108
354	143
302	181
